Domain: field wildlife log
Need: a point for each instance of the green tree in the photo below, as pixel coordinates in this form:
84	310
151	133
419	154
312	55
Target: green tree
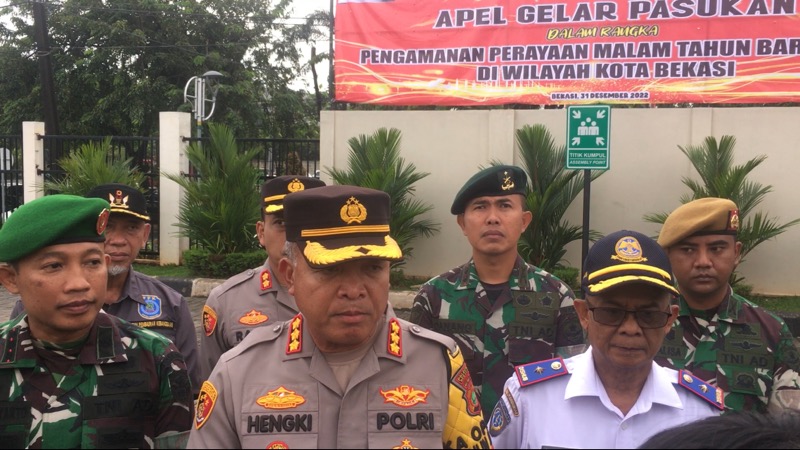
220	206
551	190
118	63
374	162
92	164
719	177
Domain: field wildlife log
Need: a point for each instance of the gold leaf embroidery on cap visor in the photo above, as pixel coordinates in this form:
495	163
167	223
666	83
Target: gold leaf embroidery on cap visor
316	253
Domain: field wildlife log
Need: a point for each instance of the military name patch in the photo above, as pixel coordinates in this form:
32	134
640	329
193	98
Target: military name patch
281	398
209	320
151	308
205	404
405	396
280	423
253	317
511	402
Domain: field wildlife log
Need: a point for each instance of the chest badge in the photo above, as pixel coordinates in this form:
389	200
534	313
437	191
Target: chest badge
405	396
281	398
406	443
151	308
253	318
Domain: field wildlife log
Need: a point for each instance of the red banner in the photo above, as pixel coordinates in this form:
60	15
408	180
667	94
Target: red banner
493	52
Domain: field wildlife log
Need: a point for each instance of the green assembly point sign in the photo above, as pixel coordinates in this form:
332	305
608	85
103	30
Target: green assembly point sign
588	129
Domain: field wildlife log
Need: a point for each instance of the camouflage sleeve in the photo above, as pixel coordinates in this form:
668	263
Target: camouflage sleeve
18	309
421	310
175	405
214	422
186	341
506	421
212	345
464	427
785	393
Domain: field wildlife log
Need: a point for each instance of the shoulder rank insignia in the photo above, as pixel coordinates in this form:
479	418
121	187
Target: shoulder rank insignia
707	392
294	343
266	280
394	341
536	372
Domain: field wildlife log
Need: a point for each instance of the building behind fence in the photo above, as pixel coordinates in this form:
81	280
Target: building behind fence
275	157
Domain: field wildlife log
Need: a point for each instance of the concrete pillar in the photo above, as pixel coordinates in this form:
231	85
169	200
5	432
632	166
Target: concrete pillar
173	127
32	160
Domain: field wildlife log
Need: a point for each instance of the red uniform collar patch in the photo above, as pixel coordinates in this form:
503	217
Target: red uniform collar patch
266	280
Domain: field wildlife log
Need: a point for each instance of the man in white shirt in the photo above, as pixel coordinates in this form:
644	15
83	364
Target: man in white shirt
613	392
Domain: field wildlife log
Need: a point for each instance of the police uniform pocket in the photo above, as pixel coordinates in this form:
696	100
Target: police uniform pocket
274	415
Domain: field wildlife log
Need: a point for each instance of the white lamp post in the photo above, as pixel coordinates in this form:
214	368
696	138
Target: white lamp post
199	99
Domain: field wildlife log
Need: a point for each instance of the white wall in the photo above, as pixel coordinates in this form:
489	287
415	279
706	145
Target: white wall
646	169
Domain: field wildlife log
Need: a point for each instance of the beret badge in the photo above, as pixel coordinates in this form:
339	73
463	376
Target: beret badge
733	220
353	211
507	181
102	221
629	250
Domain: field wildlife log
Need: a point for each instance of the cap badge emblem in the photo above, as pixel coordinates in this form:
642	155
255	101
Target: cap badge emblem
102	221
508	183
295	185
733	219
628	249
117	200
353	211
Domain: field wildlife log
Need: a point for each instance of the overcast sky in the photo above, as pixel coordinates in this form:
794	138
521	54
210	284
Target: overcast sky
301	9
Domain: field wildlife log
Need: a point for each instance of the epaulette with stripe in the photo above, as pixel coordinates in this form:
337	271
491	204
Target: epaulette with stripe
707	392
536	372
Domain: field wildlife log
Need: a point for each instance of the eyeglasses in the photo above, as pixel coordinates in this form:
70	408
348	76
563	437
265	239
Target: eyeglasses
615	316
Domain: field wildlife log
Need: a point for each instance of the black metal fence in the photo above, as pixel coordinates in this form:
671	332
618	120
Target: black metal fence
276	157
11	186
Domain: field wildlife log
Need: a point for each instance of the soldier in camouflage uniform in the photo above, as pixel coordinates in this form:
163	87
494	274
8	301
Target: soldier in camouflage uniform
73	376
255	297
501	310
719	335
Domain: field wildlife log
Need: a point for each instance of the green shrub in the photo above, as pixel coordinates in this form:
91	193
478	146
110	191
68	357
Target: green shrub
205	264
570	276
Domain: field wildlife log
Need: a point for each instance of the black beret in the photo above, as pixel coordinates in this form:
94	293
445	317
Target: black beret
334	224
122	198
492	182
626	257
273	191
51	220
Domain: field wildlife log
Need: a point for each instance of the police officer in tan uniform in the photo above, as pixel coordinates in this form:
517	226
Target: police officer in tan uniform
345	372
256	296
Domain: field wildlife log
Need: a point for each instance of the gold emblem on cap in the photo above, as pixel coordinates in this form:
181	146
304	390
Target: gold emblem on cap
295	185
353	211
628	249
733	220
508	183
117	200
556	365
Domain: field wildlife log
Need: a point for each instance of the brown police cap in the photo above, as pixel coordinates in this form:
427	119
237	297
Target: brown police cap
273	191
334	224
491	182
122	199
699	217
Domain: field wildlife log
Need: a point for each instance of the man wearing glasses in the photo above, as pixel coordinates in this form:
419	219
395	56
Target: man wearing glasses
614	387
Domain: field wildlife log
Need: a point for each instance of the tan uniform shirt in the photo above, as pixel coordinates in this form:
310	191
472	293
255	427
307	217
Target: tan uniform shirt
276	390
248	300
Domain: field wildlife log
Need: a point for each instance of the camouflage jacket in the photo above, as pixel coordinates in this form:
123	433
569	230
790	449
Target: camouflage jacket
744	349
535	322
125	387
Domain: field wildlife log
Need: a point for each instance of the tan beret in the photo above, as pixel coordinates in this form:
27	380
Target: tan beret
703	216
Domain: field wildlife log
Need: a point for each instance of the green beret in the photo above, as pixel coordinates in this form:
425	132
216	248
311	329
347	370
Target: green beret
699	217
492	182
334	224
123	199
273	191
52	220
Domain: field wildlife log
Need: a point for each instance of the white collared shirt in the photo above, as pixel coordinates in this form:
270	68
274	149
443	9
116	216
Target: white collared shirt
574	411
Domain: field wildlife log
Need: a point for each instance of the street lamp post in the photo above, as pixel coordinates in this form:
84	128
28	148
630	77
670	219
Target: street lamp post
199	99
